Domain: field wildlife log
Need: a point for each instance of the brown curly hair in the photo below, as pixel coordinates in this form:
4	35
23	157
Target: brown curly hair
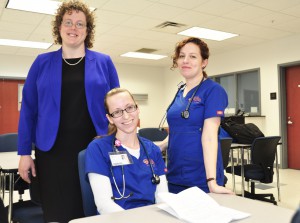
200	43
67	7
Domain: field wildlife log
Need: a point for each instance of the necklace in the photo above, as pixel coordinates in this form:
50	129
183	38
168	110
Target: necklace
73	64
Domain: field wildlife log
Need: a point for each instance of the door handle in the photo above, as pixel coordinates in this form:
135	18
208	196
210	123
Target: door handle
289	122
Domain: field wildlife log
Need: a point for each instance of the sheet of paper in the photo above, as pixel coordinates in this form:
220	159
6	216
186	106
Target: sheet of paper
193	204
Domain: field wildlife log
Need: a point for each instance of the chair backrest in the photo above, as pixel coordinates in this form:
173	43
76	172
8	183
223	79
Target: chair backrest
225	148
9	142
89	206
296	216
263	150
153	134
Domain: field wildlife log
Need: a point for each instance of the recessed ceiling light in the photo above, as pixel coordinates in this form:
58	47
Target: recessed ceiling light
28	44
207	33
149	56
39	6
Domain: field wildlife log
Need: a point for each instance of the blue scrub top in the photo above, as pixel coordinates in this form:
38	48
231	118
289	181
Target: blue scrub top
137	175
185	152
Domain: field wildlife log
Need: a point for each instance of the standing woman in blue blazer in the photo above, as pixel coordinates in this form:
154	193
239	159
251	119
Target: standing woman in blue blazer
62	110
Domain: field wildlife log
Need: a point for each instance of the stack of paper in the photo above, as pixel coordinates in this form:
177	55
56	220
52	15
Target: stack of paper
193	205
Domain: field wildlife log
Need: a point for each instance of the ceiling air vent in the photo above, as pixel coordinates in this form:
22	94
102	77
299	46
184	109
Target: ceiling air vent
169	24
169	27
146	50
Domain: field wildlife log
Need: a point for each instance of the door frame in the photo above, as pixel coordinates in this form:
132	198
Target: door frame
282	112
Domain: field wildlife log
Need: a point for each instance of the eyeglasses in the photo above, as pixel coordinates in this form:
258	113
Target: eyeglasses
119	113
78	25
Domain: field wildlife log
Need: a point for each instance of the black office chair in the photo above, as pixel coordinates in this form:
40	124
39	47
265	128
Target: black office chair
225	148
89	206
263	153
29	211
9	143
153	134
296	216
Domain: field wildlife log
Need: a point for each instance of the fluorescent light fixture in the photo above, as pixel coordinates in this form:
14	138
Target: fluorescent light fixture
28	44
148	56
207	33
40	6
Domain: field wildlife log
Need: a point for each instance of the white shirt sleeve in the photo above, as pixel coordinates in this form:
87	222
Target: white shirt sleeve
161	187
102	191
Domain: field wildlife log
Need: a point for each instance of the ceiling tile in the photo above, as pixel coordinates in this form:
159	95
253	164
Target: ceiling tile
123	26
152	35
247	13
15	27
222	24
219	8
141	22
41	34
21	17
4	34
8	50
127	7
278	5
103	28
125	31
190	4
96	3
290	26
160	11
294	11
272	20
110	17
193	18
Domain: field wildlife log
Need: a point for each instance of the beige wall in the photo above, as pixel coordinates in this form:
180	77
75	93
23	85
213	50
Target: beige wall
161	83
145	80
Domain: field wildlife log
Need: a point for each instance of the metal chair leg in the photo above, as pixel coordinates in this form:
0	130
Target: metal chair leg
232	170
277	176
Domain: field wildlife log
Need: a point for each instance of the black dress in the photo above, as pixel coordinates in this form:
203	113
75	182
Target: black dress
57	169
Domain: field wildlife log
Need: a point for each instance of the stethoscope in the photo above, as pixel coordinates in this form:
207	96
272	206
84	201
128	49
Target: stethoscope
184	114
154	179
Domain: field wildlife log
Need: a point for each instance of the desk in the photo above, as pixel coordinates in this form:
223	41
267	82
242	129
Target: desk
260	212
9	162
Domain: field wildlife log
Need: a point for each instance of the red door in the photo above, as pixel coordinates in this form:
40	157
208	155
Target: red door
292	79
9	114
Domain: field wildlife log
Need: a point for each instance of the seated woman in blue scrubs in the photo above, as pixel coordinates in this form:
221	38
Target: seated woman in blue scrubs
125	171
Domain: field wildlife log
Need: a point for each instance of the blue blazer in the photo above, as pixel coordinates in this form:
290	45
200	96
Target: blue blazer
40	110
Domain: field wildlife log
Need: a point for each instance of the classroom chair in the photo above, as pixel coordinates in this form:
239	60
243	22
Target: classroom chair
260	169
89	206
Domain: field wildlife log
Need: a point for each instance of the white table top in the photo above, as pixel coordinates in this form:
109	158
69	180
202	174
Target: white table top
260	212
9	160
239	145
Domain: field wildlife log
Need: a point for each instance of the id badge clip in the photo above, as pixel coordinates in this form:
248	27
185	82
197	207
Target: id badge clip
120	158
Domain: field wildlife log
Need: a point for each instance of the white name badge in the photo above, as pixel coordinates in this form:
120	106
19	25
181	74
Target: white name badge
120	158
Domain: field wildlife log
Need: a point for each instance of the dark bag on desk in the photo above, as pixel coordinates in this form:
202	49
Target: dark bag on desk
241	133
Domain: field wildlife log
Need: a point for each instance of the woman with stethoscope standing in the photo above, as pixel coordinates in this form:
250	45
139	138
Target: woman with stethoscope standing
194	155
125	171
